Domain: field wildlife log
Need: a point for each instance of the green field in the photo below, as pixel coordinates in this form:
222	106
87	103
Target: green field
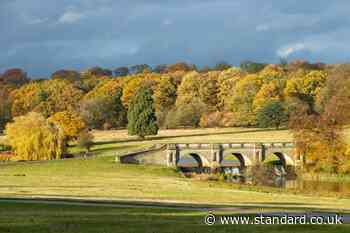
100	178
44	218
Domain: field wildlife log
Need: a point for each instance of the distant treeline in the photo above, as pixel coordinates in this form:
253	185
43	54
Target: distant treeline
311	99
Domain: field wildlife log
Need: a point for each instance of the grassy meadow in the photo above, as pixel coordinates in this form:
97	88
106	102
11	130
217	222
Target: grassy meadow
100	178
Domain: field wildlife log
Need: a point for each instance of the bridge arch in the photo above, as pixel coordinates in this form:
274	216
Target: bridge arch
285	159
244	160
186	161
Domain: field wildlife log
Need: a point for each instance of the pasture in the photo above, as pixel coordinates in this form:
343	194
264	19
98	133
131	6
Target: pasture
100	178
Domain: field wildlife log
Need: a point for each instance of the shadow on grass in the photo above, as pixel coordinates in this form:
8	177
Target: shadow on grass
47	217
248	207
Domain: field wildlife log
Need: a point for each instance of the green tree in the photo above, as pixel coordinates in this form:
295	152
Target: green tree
272	114
142	120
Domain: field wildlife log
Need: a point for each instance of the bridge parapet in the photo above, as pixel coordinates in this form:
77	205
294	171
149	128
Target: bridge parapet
212	154
231	145
279	144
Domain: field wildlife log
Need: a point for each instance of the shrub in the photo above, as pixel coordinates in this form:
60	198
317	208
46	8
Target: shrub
85	140
5	147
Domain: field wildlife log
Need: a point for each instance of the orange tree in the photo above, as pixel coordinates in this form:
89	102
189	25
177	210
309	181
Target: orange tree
71	123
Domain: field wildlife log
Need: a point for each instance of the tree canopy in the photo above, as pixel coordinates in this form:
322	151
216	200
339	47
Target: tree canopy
142	120
33	138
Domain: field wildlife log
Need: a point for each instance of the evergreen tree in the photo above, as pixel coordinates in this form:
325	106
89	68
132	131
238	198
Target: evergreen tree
272	114
142	120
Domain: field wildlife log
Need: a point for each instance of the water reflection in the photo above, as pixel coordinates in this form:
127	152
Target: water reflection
271	175
267	176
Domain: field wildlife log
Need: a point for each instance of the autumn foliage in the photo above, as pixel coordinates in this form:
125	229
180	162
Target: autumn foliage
33	138
311	99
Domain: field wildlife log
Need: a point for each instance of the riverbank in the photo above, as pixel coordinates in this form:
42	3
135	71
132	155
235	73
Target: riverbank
326	177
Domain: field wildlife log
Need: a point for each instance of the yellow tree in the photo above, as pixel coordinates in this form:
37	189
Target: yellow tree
242	99
189	88
105	89
165	94
272	72
226	81
59	95
309	84
268	92
209	89
130	89
46	97
26	98
33	138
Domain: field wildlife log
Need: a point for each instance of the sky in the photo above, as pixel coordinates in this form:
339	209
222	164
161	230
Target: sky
44	36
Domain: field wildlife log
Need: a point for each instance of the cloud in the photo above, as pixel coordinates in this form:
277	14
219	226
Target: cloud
286	51
111	33
167	22
262	28
71	16
36	21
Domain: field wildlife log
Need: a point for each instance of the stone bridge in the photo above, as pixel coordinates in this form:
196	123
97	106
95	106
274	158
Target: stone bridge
248	154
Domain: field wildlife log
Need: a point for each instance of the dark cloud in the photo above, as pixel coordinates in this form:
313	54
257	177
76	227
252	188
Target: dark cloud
43	36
